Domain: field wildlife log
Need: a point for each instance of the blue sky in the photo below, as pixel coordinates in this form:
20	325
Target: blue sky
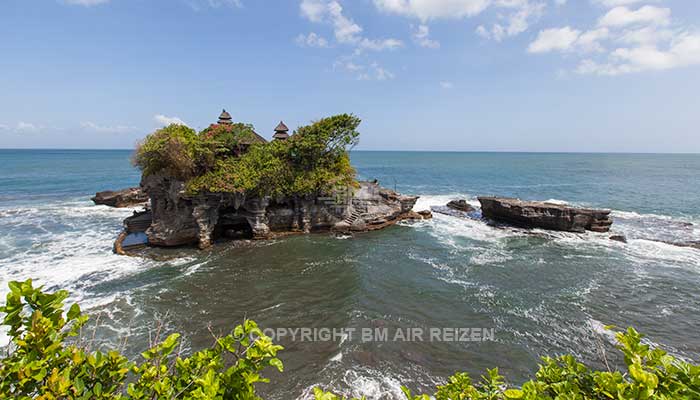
456	75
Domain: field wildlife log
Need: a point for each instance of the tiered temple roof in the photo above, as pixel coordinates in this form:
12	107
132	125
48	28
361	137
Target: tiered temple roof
281	132
225	118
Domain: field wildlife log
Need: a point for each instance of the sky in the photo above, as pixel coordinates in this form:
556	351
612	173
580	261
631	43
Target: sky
443	75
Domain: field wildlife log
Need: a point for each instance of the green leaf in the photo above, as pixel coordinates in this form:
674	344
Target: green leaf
277	363
73	312
513	394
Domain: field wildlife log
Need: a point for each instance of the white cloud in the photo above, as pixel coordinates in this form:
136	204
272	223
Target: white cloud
345	30
313	10
590	41
625	41
379	44
447	85
4	127
521	14
199	5
431	9
26	127
557	39
647	35
568	39
377	73
515	18
369	72
348	65
422	37
615	3
162	120
483	32
85	3
91	126
683	51
519	21
623	16
311	40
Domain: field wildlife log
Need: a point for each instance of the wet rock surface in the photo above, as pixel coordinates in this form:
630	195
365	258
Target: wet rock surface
619	238
180	219
690	244
121	198
460	205
536	214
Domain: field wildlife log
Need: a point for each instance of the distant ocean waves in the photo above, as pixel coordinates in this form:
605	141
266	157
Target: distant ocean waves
65	245
649	235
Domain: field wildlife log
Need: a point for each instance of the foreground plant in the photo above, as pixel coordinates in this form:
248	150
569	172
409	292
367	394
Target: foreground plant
47	360
42	364
651	374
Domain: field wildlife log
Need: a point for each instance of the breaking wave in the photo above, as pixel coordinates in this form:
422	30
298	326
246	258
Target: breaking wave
69	246
650	236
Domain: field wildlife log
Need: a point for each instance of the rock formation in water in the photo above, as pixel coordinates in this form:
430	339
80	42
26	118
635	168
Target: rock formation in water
121	198
180	219
460	205
693	244
618	238
535	214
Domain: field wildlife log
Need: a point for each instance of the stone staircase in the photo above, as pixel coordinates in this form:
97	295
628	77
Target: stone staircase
353	217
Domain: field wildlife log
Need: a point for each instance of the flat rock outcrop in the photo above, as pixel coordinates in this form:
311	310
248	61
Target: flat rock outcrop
121	198
460	205
619	238
536	214
694	244
180	219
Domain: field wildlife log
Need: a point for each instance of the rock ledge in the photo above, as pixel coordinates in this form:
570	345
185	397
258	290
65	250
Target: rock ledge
180	219
537	214
121	198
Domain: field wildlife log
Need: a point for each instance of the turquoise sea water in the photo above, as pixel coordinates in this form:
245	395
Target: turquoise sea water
547	293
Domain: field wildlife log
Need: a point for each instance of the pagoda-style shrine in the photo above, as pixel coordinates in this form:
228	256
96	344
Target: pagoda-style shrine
225	118
281	132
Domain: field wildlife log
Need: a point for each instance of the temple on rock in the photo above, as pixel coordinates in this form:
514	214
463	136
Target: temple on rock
225	123
281	132
225	118
239	194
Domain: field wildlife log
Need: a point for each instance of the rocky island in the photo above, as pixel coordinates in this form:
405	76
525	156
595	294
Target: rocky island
229	182
540	214
179	219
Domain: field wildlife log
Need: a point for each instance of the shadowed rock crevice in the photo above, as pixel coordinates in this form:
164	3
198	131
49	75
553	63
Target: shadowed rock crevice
180	219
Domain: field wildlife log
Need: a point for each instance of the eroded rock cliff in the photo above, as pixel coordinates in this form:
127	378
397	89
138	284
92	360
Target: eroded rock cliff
180	219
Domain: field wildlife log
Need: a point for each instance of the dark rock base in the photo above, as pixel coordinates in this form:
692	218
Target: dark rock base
535	214
121	198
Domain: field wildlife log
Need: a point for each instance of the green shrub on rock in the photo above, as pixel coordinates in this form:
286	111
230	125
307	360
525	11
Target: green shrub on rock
175	150
231	159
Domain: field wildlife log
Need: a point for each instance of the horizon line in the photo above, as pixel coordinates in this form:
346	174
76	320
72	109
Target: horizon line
391	151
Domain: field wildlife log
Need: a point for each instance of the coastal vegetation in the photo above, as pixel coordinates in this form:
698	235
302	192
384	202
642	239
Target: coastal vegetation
49	358
232	158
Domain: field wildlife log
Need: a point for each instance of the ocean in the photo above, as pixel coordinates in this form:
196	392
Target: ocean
540	294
